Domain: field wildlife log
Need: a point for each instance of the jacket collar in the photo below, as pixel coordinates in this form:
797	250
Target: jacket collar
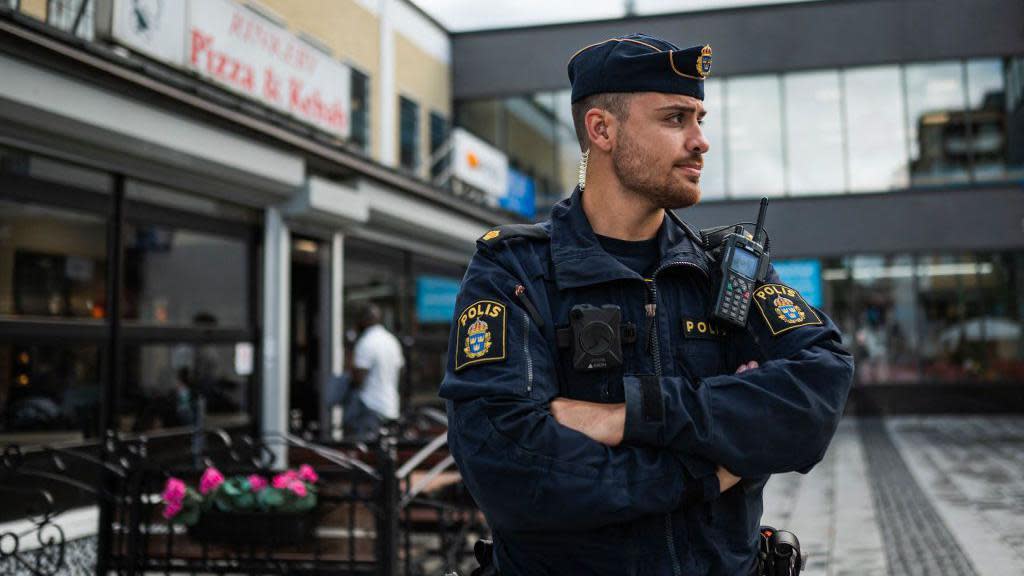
579	259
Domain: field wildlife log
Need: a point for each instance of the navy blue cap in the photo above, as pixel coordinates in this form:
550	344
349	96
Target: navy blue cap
639	63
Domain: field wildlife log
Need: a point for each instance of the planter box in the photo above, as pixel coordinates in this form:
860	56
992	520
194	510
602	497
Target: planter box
261	529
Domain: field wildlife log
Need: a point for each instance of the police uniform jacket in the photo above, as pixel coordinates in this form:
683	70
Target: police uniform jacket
561	503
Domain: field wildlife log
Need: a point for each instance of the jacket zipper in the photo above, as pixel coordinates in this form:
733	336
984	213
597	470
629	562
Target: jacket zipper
526	352
531	310
654	348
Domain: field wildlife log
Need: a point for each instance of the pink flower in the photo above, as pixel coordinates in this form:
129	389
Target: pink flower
282	480
171	509
174	491
257	482
307	473
298	487
211	479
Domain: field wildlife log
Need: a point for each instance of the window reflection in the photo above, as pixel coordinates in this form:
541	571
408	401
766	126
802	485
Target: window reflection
531	142
986	93
814	136
936	108
169	385
52	262
754	136
185	278
483	118
865	129
875	134
49	388
885	337
712	178
952	349
1004	309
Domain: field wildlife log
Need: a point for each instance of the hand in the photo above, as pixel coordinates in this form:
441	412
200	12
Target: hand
604	423
726	479
748	366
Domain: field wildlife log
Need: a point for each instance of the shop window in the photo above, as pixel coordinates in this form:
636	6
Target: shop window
181	277
53	262
409	135
885	320
49	388
360	105
952	309
180	385
440	152
436	285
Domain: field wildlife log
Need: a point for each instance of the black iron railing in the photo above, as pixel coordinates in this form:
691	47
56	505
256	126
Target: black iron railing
394	506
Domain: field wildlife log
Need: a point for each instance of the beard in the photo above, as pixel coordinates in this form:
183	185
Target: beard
633	167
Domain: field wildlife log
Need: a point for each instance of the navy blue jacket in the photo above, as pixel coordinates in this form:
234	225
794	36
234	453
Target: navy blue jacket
560	503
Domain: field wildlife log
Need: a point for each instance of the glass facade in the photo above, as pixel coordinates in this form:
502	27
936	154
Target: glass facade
930	318
864	129
186	294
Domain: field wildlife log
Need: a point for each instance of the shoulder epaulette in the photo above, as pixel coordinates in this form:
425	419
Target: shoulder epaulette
501	234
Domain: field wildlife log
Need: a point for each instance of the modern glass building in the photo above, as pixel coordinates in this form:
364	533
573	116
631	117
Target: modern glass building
889	137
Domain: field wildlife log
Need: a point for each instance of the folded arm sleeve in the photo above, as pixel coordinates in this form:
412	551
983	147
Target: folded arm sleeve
525	470
777	418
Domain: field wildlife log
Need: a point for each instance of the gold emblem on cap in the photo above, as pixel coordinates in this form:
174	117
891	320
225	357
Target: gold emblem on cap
491	235
704	62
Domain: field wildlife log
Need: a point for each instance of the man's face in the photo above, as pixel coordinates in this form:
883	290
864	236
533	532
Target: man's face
658	150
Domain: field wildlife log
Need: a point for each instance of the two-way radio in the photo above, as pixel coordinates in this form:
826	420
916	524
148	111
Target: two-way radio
744	263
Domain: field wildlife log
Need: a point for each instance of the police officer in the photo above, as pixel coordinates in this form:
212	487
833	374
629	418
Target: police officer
648	456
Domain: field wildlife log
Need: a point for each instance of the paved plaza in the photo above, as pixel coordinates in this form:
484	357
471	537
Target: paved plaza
935	495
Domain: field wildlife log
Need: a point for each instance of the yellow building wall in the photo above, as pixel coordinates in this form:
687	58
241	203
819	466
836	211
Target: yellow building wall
34	8
427	81
351	32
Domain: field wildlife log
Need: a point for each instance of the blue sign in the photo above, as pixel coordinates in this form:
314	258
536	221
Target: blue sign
435	299
804	276
521	194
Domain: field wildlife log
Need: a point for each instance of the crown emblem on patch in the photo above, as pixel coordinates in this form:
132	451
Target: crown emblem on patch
787	311
478	340
704	62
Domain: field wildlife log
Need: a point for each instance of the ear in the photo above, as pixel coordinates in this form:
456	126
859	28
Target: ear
601	127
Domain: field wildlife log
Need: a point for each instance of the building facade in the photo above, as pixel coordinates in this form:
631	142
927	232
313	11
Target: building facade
195	198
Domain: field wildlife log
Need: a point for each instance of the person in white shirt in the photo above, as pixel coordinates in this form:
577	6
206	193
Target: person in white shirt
377	365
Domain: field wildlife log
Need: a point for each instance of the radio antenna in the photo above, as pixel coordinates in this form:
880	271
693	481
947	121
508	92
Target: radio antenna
759	229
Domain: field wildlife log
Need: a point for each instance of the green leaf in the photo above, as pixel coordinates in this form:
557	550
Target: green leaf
270	498
188	516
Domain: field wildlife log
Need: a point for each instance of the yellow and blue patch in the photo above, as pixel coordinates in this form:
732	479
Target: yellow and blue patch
784	308
481	334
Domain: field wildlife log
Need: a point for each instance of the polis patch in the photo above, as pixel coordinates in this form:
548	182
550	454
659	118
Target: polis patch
784	308
708	329
481	334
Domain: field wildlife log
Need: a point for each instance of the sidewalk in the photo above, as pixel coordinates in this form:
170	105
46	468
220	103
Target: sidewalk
910	496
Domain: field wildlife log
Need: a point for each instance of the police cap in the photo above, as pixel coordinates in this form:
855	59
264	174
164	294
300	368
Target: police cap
639	63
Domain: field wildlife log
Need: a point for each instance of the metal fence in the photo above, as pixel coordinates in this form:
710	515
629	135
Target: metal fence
392	506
